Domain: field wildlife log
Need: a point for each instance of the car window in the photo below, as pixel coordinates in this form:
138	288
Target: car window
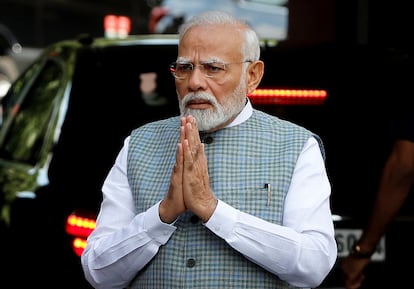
30	118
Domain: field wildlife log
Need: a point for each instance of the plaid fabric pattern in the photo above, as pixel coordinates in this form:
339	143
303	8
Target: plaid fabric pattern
241	159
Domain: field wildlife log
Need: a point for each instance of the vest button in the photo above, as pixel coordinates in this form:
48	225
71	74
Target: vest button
191	262
194	219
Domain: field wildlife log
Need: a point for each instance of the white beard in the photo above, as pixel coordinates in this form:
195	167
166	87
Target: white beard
208	119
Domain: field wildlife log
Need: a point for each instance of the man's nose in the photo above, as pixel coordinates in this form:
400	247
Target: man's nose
197	79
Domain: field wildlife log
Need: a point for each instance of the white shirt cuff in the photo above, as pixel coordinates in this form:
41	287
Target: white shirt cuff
223	220
155	228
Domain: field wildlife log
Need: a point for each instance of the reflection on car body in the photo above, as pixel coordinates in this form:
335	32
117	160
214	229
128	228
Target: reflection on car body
269	18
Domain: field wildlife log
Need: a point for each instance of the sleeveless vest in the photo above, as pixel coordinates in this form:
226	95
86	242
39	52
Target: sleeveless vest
241	161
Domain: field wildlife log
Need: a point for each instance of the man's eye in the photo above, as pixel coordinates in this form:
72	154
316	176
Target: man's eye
184	67
213	67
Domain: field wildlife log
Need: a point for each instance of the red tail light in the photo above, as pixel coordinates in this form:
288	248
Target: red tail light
289	96
117	26
78	245
79	226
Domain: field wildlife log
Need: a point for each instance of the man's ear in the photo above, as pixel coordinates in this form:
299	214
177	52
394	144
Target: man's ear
254	75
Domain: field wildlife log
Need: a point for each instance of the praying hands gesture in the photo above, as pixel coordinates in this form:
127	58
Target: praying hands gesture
190	183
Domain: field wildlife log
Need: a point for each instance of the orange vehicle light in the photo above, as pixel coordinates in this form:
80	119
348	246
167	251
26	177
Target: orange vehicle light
79	226
289	96
79	245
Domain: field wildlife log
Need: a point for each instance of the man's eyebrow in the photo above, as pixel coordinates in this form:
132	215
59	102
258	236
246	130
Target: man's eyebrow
182	59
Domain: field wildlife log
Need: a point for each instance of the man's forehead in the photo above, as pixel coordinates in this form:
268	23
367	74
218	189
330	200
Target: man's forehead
217	43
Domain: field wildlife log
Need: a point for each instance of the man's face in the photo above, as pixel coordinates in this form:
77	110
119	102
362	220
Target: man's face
214	102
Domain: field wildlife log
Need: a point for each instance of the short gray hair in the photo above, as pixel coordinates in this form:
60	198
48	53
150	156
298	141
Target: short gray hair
251	47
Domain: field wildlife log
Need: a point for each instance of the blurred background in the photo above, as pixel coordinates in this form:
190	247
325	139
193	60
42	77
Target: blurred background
38	23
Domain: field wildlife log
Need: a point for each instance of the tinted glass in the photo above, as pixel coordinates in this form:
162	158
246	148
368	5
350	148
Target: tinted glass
34	115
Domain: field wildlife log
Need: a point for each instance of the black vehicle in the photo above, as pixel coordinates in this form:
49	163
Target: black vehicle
65	119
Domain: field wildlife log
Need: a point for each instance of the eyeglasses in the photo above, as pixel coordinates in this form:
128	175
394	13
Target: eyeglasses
212	69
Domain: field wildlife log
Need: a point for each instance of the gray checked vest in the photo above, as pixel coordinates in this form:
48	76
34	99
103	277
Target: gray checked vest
241	160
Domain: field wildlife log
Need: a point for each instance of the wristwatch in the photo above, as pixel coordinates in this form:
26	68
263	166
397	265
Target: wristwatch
357	252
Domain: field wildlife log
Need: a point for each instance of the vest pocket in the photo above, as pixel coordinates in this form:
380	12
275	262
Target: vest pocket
261	201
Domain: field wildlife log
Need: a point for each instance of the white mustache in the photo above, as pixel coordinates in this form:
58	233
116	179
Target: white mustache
199	96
